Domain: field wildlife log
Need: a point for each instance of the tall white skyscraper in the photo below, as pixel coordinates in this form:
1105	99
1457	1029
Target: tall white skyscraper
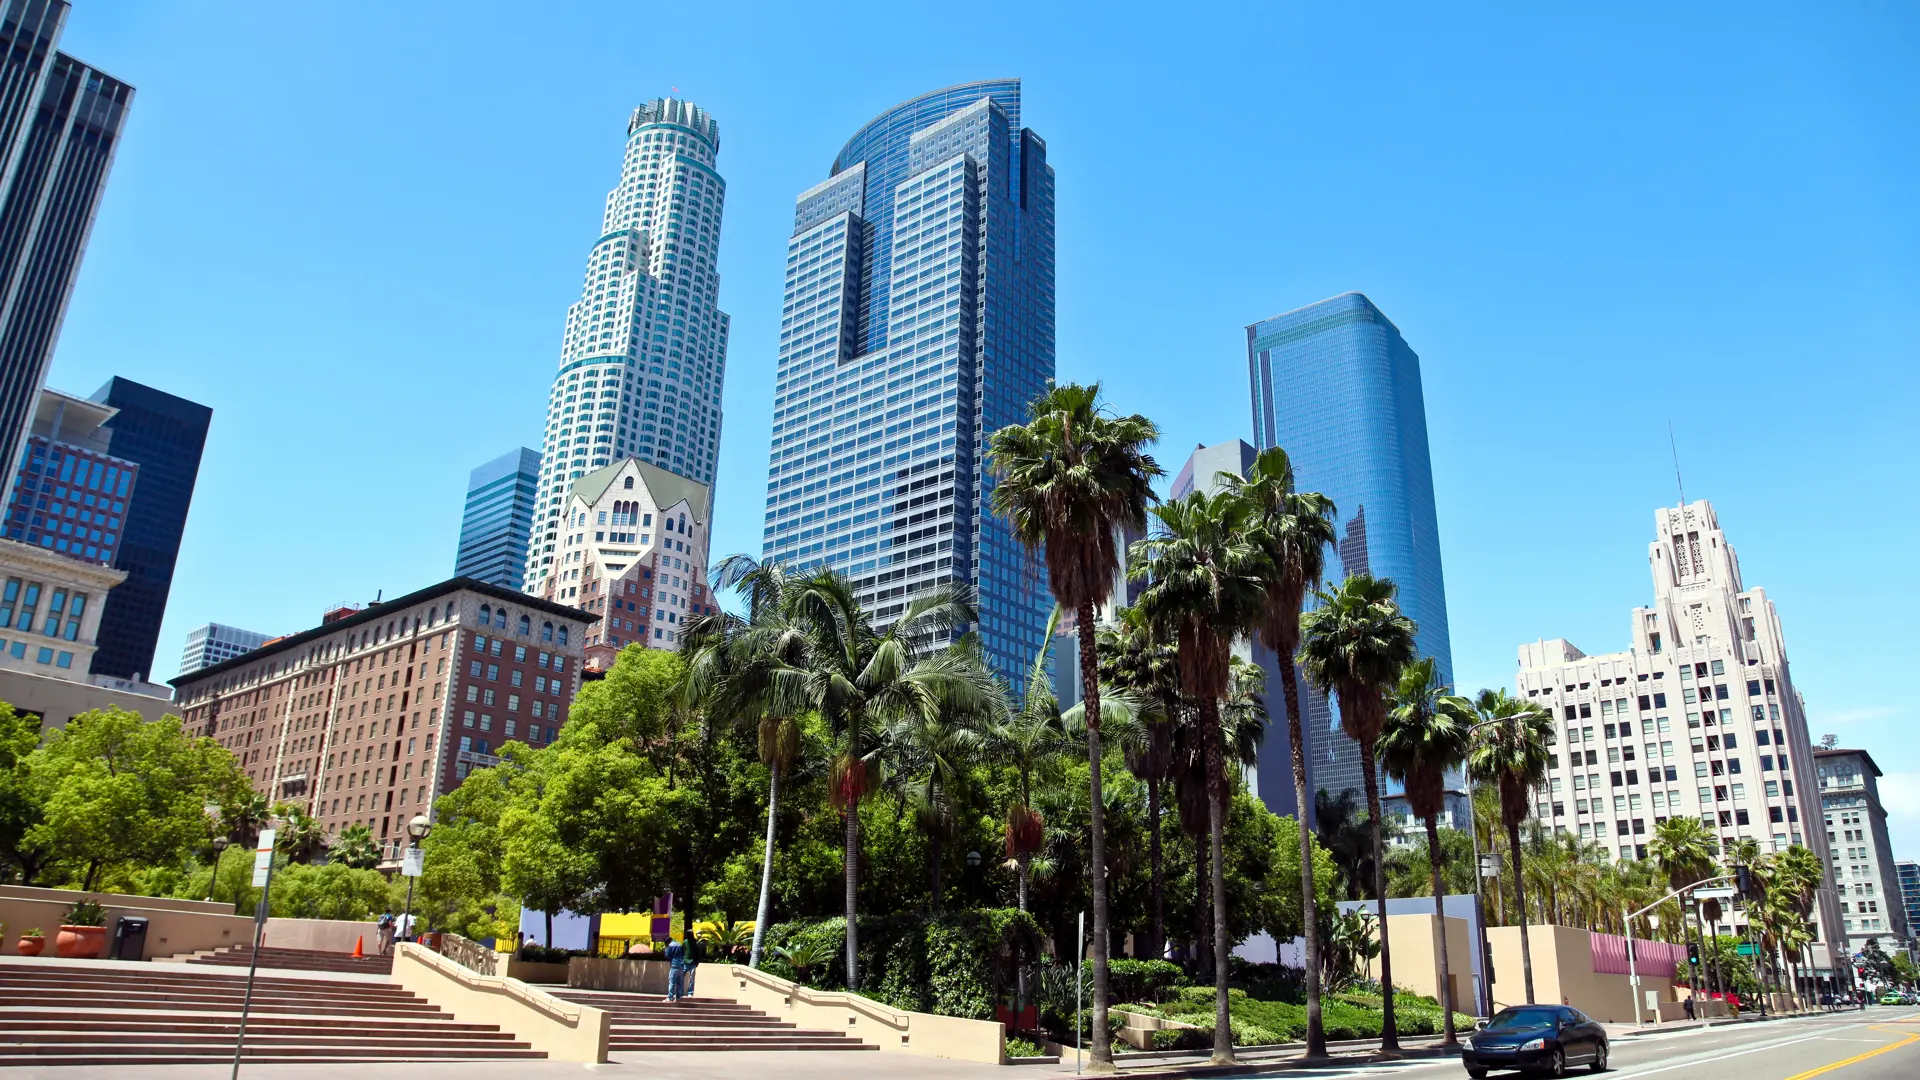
644	358
1698	717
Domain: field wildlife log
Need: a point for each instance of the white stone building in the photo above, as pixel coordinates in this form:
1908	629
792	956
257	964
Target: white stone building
644	357
1698	716
631	552
1860	851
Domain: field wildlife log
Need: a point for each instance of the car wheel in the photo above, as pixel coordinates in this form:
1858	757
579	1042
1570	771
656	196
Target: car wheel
1600	1059
1556	1063
1477	1074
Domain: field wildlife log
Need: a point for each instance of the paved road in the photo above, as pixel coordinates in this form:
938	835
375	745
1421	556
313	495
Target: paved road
1875	1044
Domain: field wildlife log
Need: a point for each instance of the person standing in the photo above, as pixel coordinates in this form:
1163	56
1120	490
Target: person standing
386	933
696	952
676	968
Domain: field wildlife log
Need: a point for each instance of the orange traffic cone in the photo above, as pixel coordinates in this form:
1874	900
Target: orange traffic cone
359	950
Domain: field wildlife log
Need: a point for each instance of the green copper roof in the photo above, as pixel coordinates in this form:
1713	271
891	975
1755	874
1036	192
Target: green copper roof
668	489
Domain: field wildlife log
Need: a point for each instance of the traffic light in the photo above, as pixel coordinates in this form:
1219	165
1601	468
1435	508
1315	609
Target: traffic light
1743	879
1693	955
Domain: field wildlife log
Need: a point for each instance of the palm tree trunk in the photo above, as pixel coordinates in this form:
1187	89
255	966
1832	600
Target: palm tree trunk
1216	843
853	888
1020	971
1389	1033
1520	903
934	901
1102	1049
1157	943
1309	902
1445	983
766	870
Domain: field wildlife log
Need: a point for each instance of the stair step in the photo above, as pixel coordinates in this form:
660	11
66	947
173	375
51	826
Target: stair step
164	1055
667	1043
14	1040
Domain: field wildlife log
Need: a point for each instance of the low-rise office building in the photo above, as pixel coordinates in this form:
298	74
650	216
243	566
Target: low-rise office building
370	716
1860	853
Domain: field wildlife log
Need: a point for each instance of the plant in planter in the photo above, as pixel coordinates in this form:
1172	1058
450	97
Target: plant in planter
32	942
83	936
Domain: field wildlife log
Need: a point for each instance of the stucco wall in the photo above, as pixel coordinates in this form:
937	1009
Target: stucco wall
176	927
1416	966
1563	974
564	1030
869	1021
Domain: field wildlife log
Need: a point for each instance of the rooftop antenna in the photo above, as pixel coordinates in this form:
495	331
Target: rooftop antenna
1672	446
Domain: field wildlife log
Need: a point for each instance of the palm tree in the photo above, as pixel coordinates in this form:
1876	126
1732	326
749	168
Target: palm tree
1353	646
299	837
244	817
1347	838
1143	665
859	678
1030	740
927	753
1297	527
1069	481
731	667
1427	736
1684	850
1512	753
356	847
1208	588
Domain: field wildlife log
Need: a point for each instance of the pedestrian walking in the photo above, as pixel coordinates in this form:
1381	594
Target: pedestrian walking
1687	1005
386	933
676	969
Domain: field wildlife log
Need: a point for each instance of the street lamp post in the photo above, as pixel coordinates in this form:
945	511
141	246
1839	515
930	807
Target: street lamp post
1485	1004
417	830
219	849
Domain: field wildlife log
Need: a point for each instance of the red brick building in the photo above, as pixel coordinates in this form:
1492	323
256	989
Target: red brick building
370	716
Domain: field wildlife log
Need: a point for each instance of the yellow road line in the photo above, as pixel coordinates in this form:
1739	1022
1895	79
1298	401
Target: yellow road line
1913	1038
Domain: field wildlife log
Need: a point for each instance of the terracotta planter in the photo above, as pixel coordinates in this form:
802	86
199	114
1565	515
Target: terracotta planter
31	946
80	942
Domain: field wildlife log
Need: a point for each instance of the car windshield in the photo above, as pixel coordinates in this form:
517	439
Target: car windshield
1520	1019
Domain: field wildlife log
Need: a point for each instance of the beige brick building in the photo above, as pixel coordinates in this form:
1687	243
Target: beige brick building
371	715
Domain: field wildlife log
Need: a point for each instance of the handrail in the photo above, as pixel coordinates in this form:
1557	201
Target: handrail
810	996
547	1003
469	953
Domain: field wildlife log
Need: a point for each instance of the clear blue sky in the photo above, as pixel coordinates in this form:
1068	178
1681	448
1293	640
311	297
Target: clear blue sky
353	230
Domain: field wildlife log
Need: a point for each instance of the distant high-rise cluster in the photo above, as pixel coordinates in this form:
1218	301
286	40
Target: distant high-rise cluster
918	319
643	360
216	644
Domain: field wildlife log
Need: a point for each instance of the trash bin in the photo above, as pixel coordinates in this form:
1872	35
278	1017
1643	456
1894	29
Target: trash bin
130	938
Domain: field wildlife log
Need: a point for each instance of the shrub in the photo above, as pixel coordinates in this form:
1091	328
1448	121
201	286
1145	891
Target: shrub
86	913
956	964
1143	980
1268	982
1019	1048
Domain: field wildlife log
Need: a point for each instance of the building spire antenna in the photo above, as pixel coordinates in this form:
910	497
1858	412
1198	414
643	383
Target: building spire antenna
1675	449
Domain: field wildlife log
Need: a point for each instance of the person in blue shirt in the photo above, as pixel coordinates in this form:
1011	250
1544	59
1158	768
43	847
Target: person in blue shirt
676	968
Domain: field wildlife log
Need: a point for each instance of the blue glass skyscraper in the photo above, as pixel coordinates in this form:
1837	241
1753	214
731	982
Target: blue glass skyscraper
918	320
1336	385
501	499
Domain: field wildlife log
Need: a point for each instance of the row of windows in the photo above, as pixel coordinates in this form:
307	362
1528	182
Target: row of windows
20	606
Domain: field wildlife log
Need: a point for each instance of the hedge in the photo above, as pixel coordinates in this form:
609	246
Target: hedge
954	964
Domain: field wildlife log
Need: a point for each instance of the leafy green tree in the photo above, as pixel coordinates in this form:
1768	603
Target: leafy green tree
116	789
333	891
1031	740
1207	587
462	858
23	850
1513	755
243	816
356	847
1427	735
1297	529
1069	481
1354	645
1136	662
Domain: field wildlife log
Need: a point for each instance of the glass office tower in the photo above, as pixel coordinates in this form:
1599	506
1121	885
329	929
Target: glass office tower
498	518
60	123
918	320
1336	385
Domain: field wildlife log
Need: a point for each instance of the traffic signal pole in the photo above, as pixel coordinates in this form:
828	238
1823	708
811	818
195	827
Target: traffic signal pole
1693	957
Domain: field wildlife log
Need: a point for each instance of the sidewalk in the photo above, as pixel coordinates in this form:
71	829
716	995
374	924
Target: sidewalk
1629	1031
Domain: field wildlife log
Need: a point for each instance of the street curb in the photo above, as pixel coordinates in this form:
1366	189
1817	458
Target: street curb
1702	1025
1180	1072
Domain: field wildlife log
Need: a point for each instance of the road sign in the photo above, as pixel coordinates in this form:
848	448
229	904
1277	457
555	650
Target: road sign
1489	865
262	857
1717	893
410	864
1748	950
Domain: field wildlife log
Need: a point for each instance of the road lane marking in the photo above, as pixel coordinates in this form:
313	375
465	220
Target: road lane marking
1907	1040
1721	1057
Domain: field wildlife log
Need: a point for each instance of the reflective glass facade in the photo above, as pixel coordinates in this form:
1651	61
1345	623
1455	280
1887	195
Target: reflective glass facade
1337	386
499	514
918	319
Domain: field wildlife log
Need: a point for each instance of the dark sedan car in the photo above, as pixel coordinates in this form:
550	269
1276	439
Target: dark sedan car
1536	1038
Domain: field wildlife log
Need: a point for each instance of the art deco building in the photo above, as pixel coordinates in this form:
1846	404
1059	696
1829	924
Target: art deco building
1866	880
1697	717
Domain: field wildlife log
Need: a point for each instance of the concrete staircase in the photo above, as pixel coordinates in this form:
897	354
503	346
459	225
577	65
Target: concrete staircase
102	1013
294	960
650	1022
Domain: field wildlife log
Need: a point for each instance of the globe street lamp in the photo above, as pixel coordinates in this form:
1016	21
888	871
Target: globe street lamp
417	830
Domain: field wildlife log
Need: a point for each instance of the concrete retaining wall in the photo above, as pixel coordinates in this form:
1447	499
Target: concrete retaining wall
869	1021
565	1031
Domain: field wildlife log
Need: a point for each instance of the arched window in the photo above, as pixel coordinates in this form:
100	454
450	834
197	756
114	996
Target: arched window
500	618
629	484
526	625
433	615
486	614
563	635
546	632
